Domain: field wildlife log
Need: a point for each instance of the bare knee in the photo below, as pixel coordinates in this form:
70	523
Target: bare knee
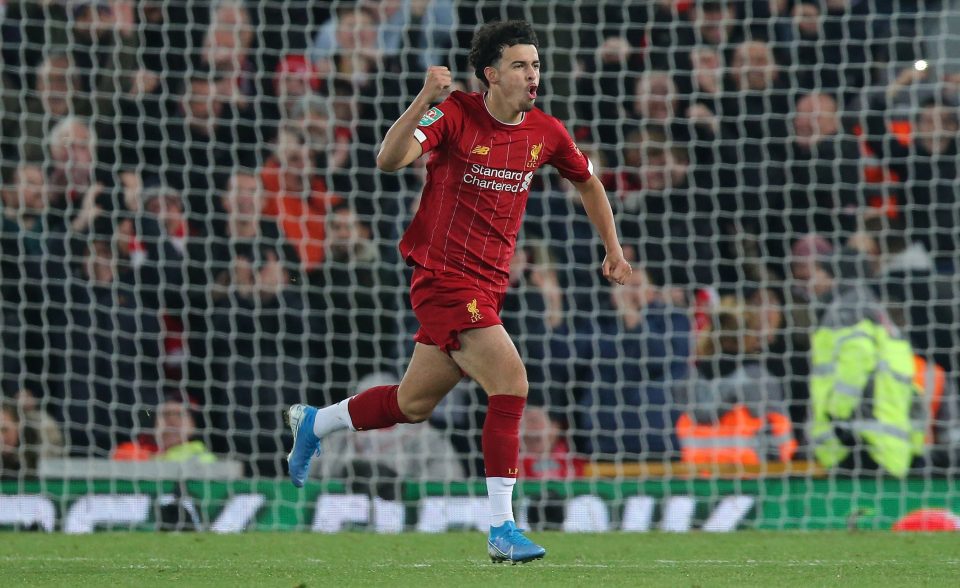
417	410
513	383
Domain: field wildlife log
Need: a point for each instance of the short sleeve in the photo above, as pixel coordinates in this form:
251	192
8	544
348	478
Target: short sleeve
568	159
438	123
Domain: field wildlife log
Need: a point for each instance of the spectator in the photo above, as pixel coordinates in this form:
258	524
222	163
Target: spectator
212	255
58	95
165	208
711	25
638	354
151	64
164	234
205	137
693	127
219	260
735	410
15	461
256	341
71	170
109	343
226	51
145	61
535	308
331	149
861	382
623	181
544	452
362	96
755	95
352	300
560	216
655	98
147	270
297	197
27	435
804	279
668	36
295	81
821	176
22	234
356	55
921	151
667	219
753	130
828	45
93	33
33	264
29	30
704	84
601	87
421	26
173	438
715	24
545	455
922	303
35	418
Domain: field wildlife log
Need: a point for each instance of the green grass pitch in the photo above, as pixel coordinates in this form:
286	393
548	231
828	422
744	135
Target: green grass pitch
459	559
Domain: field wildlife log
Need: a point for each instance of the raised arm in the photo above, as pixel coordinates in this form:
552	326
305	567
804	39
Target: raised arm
594	196
400	148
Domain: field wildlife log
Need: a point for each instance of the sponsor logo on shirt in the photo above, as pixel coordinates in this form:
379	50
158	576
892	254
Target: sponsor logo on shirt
534	155
431	116
480	150
501	180
474	310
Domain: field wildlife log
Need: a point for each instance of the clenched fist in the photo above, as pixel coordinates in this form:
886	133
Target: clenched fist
437	84
616	268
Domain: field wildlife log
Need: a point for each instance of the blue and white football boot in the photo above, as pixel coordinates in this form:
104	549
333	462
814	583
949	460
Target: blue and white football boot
507	543
299	418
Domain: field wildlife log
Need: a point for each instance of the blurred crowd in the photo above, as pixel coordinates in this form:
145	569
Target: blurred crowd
194	229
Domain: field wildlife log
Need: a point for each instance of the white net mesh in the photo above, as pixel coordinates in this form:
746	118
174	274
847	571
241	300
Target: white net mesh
195	235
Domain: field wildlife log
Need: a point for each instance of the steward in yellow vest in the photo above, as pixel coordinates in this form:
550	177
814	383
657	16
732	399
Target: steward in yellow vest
862	390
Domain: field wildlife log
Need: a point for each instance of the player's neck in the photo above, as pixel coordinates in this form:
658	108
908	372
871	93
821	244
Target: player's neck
499	110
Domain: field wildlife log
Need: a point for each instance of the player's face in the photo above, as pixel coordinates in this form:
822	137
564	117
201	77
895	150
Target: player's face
518	77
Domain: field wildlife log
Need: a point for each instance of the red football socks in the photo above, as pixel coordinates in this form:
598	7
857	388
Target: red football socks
501	436
376	408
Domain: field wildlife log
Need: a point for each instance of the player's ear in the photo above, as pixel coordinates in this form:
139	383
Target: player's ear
491	74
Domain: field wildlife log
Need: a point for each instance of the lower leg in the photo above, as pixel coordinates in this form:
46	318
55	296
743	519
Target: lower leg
430	375
501	453
490	357
374	408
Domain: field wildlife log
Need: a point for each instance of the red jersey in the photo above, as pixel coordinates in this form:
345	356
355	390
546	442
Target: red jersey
478	181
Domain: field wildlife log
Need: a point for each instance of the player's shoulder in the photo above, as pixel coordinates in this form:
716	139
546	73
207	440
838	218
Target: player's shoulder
455	107
548	123
466	101
466	97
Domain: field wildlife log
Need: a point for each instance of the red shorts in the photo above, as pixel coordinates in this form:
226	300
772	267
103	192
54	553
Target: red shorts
448	304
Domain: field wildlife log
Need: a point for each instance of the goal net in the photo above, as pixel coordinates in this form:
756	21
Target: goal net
195	235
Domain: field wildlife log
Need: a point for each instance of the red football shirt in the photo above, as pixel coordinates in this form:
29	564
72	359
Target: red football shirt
478	181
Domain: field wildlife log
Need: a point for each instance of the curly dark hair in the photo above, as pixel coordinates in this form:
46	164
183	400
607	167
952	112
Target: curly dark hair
491	39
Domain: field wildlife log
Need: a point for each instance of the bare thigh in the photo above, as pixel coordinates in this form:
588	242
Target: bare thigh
429	377
489	356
